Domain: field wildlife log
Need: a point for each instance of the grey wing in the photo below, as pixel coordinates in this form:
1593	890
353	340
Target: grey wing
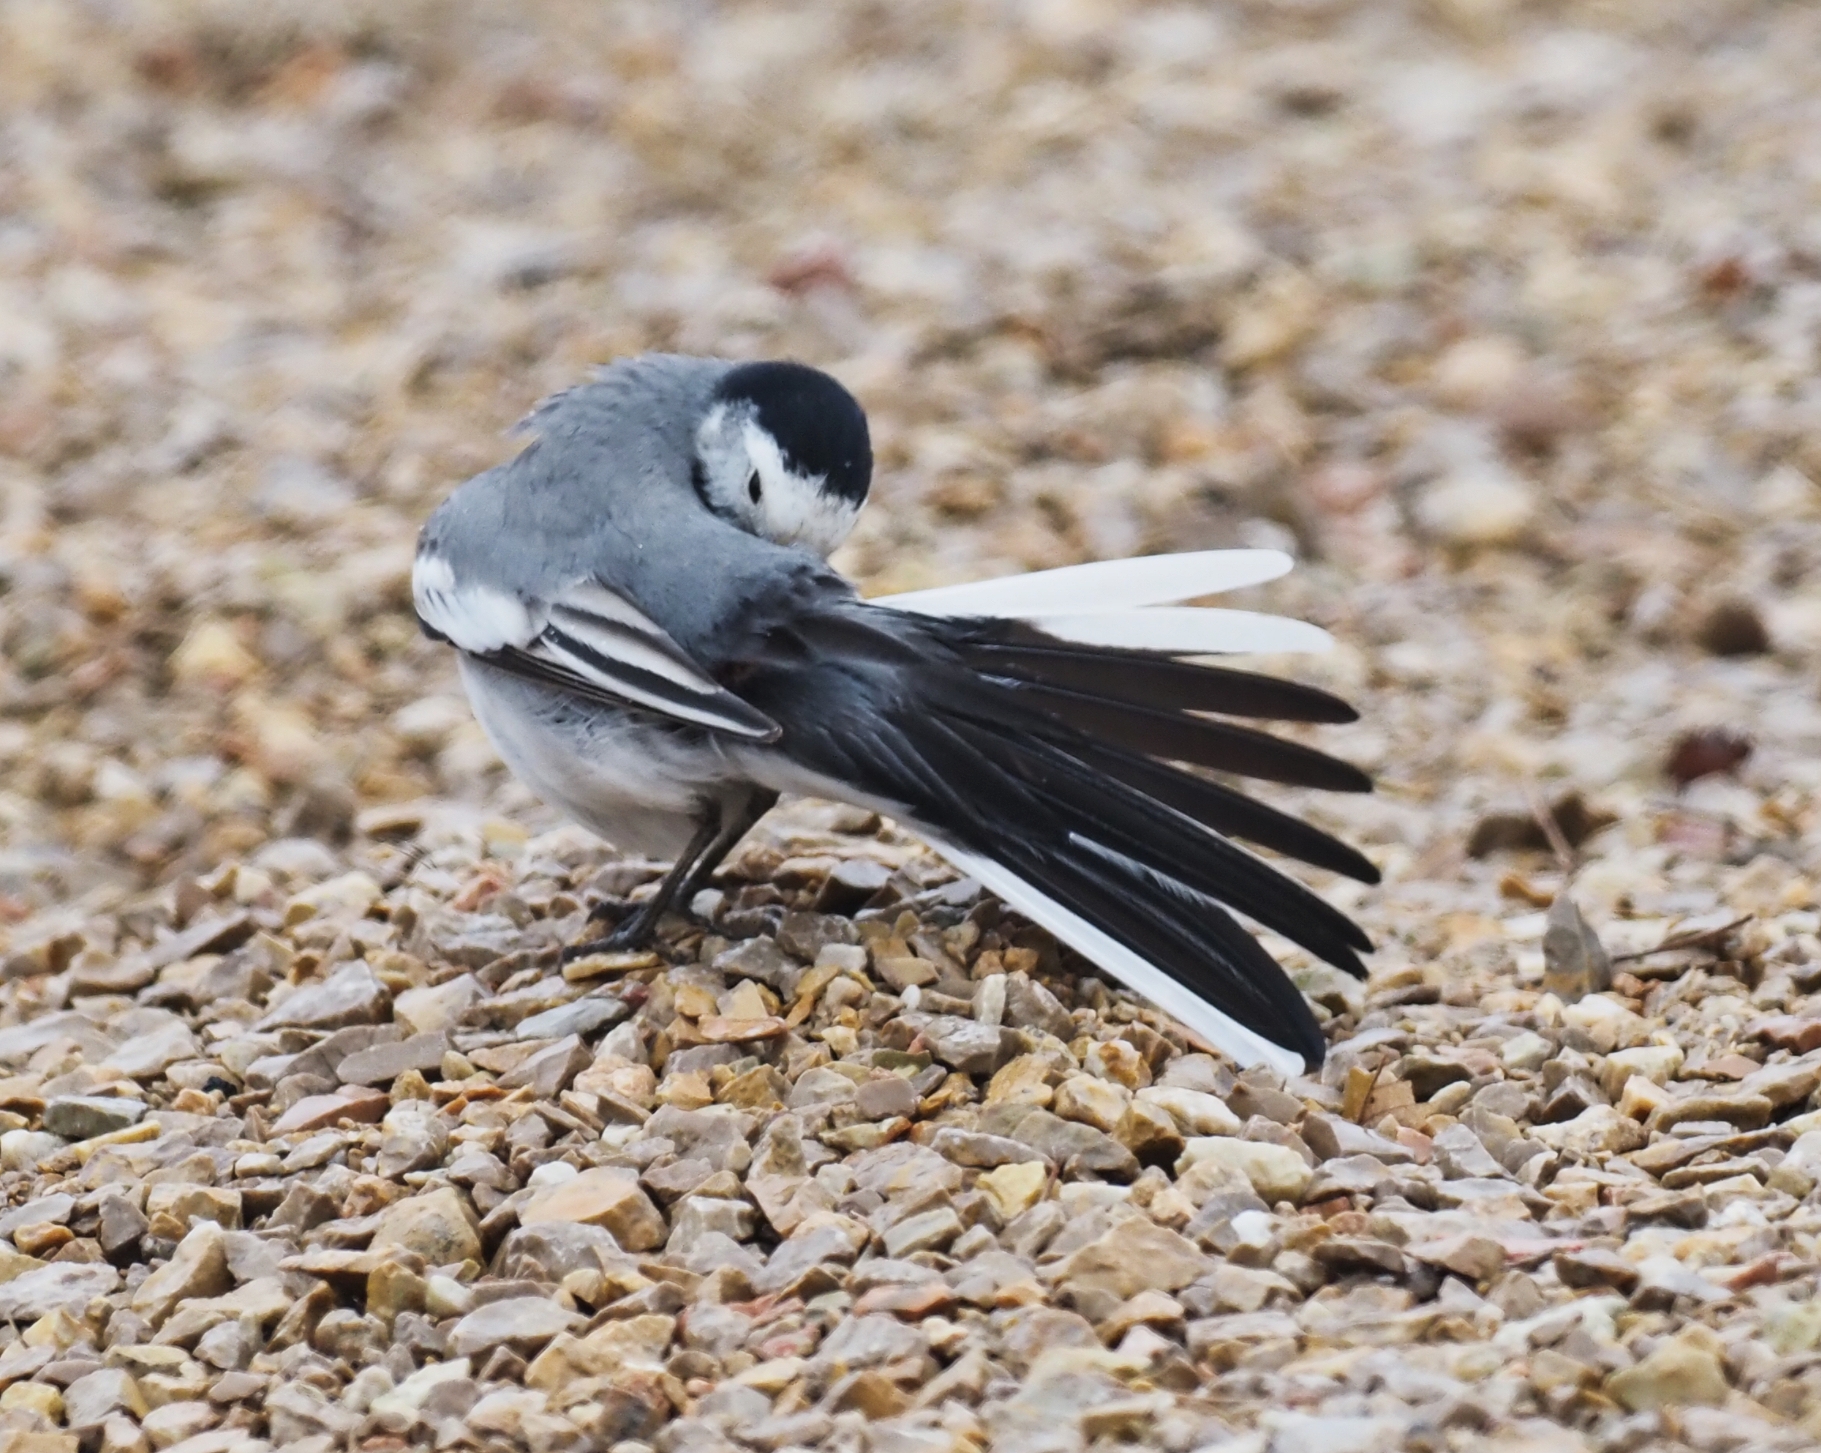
586	639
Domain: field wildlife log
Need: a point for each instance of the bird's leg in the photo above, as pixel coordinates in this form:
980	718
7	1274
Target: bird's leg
636	930
715	837
735	824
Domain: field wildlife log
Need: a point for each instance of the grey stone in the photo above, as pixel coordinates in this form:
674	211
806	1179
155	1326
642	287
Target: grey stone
79	1117
695	1216
1029	1005
381	1064
868	1341
1461	1156
520	1322
146	1055
548	1072
880	1099
974	1148
761	959
51	1210
966	1045
62	1286
352	994
1068	1142
1331	1137
583	1017
91	1400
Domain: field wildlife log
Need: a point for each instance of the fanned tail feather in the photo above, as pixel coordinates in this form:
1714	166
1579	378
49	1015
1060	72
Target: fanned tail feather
1054	767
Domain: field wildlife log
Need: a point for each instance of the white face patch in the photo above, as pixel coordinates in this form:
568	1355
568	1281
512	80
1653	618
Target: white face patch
747	481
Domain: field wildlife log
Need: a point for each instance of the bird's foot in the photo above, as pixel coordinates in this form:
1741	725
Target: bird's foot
611	910
630	935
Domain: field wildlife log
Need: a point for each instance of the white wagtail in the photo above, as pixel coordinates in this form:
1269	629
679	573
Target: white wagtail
651	637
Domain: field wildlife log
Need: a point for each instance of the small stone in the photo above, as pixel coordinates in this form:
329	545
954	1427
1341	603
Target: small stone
1359	1254
1594	1266
381	1064
185	1204
1485	505
928	1231
1526	1052
1461	1155
1030	1005
123	1223
1657	1063
1330	1137
1091	1101
1195	1111
583	1017
1131	1257
146	1056
524	1323
1742	1109
903	972
1276	1172
720	1029
436	1007
549	1071
606	1197
352	994
62	1287
1575	963
1683	1370
1015	1187
1600	1130
886	1096
198	1268
174	1422
89	1401
966	1045
82	1117
1022	1080
1150	1133
1796	1033
323	1112
1733	628
22	1150
1477	1258
438	1225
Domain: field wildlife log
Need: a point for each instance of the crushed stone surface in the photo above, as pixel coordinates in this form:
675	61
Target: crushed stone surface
1504	317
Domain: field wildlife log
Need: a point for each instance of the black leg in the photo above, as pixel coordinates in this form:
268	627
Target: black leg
715	837
636	931
735	824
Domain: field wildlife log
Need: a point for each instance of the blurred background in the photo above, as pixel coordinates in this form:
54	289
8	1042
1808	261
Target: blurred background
1502	314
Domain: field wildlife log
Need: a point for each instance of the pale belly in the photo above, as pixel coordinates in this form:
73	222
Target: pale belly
637	785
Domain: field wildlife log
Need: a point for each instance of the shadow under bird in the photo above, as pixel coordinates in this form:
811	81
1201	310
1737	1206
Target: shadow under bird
651	636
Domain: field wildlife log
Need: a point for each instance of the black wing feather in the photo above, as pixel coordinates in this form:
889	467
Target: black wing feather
1158	681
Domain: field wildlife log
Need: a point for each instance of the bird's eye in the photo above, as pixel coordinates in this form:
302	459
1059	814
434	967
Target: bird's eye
753	488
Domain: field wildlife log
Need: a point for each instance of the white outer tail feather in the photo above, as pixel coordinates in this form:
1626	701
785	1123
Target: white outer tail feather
1229	1036
1098	587
1115	603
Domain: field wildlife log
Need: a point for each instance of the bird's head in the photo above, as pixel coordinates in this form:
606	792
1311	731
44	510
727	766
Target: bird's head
783	453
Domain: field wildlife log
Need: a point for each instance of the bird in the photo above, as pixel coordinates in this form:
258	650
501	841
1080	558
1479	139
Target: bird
650	634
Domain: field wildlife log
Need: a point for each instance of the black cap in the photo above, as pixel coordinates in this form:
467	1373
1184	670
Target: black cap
819	426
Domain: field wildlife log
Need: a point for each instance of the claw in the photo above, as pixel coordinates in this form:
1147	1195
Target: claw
614	909
629	935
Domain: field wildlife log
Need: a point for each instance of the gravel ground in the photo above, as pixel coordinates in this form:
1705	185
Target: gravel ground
1505	317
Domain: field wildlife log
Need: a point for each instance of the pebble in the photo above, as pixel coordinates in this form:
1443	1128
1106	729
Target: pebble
602	1197
854	1155
438	1225
82	1117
